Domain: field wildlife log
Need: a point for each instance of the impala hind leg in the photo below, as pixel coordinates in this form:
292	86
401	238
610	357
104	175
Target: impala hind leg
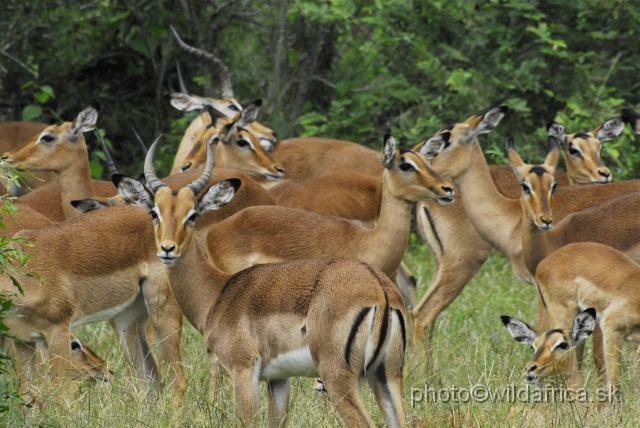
246	382
387	387
342	387
278	401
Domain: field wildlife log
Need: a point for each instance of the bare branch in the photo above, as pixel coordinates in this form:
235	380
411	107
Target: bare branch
20	63
225	78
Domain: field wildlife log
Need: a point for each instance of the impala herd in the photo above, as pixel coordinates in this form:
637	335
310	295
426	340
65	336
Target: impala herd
281	255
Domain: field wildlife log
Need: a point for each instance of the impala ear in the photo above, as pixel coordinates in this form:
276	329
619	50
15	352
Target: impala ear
85	121
218	195
434	145
553	155
514	157
519	330
89	204
250	113
583	325
557	131
388	151
632	118
133	191
487	121
609	130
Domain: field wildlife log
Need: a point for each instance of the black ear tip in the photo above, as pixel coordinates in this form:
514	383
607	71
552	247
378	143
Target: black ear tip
235	183
117	178
506	319
629	116
591	312
257	102
503	108
386	137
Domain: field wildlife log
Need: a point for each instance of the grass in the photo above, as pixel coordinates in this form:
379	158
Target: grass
471	347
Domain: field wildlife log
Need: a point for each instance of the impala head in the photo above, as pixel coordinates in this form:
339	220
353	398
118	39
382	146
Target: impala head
410	177
553	350
632	118
174	213
85	360
582	151
450	149
538	184
241	148
58	146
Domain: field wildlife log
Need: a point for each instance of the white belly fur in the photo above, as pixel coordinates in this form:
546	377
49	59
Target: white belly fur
105	315
293	363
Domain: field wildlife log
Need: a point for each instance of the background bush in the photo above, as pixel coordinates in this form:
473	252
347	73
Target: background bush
341	68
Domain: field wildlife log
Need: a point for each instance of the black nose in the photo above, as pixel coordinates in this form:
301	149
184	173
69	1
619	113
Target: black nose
605	174
447	188
531	377
4	157
185	167
168	247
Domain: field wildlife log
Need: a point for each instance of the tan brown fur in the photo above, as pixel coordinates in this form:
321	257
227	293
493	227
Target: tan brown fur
271	234
257	315
13	135
494	218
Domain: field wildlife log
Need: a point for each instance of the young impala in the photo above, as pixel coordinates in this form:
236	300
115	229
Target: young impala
338	318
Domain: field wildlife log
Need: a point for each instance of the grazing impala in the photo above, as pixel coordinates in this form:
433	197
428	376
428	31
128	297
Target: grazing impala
338	318
555	349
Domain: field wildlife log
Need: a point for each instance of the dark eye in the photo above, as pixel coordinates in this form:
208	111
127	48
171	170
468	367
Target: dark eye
192	218
48	138
554	186
154	216
526	189
574	152
563	346
243	143
75	345
404	166
233	107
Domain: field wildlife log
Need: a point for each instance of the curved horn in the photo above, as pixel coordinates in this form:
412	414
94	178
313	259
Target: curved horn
183	87
143	146
198	184
225	77
111	165
149	171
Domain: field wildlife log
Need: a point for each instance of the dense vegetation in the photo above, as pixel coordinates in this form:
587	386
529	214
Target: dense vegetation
346	69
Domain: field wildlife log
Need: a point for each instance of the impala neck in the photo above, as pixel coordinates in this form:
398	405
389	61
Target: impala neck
496	218
536	243
196	284
74	183
386	243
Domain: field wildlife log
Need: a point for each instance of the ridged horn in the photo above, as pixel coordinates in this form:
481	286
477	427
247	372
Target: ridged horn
198	184
149	171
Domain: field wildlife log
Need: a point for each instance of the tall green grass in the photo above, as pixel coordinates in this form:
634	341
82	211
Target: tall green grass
471	347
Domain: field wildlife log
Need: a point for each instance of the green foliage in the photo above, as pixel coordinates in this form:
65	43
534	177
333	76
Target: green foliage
346	69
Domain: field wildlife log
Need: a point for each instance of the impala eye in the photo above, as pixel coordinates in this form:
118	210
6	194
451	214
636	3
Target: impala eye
554	186
154	216
47	138
574	152
191	218
75	345
404	166
233	107
562	346
243	143
526	189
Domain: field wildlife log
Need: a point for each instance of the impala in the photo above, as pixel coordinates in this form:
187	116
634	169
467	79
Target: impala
12	135
62	150
338	318
487	212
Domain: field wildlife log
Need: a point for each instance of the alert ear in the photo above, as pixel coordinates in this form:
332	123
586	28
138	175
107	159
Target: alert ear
583	325
434	145
85	121
632	118
609	130
133	191
514	157
218	195
388	151
519	330
250	113
556	131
